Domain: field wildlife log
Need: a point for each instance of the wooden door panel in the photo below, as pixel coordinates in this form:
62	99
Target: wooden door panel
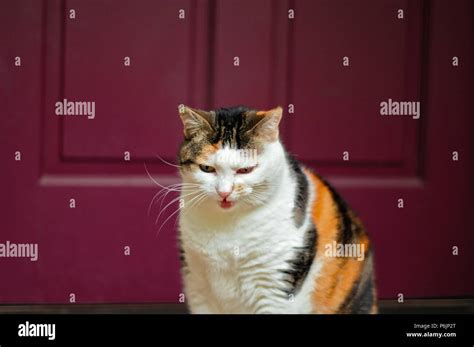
136	105
338	106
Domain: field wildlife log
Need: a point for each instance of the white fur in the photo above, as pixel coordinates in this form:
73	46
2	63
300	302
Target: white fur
234	257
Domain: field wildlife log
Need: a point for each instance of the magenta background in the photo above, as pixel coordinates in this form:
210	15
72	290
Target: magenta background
191	62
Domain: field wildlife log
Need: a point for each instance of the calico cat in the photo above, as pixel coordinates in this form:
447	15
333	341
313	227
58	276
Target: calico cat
259	232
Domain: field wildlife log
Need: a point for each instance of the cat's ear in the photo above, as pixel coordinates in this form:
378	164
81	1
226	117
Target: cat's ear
195	121
265	123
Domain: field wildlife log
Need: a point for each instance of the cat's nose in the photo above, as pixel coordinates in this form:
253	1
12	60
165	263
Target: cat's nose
224	194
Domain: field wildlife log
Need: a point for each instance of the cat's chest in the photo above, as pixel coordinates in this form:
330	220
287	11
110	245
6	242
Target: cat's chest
229	251
239	265
237	274
233	246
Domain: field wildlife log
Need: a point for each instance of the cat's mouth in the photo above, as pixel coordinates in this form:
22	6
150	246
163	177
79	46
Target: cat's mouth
226	204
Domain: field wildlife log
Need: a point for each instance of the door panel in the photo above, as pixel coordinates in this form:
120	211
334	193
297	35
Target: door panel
338	105
158	44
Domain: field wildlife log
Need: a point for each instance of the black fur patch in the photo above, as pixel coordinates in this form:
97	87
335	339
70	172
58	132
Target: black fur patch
228	126
364	300
182	255
301	194
361	298
301	262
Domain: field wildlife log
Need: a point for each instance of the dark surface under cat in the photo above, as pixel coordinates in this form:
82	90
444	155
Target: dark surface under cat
410	306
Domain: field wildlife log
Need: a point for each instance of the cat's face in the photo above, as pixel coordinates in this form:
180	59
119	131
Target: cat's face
226	157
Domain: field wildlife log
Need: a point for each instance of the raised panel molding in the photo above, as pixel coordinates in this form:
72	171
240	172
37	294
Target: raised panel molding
60	156
404	156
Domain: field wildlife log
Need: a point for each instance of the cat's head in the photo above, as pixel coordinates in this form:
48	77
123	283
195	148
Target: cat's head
229	154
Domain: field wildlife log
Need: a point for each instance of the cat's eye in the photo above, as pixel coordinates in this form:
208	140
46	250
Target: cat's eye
207	168
245	170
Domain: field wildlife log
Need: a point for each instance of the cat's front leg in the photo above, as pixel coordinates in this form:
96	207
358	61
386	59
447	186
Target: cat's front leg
198	304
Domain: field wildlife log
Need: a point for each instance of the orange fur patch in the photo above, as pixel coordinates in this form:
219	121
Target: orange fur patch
338	275
207	151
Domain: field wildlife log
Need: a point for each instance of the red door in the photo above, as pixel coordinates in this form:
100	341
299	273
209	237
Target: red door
329	64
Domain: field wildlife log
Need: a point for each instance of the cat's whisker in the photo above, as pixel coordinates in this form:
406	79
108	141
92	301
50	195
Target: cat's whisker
156	182
203	195
171	188
166	162
173	201
151	177
171	215
160	192
178	188
163	197
200	201
164	193
186	189
255	197
186	209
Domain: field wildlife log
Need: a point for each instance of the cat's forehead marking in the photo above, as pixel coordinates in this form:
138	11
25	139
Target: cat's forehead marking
229	126
208	150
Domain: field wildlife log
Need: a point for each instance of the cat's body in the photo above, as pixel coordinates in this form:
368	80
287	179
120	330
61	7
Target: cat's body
261	246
